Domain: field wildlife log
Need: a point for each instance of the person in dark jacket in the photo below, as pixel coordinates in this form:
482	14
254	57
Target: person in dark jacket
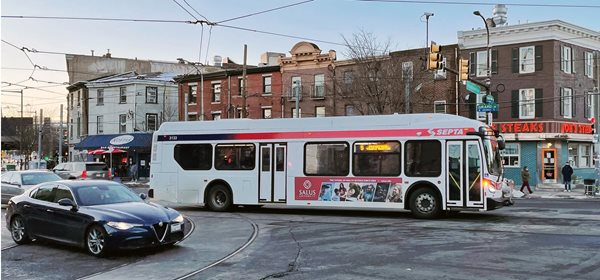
567	171
525	179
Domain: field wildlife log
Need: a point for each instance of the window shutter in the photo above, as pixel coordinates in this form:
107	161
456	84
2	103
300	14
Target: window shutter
572	60
515	60
495	96
494	61
539	103
539	56
472	106
472	63
586	109
562	59
585	63
514	110
573	103
562	101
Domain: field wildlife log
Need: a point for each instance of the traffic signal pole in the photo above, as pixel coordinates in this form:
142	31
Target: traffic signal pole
597	136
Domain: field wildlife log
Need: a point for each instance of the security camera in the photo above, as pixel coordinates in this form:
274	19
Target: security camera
427	14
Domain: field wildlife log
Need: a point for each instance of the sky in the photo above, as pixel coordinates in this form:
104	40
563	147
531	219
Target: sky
323	22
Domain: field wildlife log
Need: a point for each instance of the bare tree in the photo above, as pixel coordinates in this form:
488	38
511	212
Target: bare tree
376	83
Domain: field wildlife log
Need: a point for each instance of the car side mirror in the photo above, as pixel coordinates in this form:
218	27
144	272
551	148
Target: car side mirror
143	196
67	202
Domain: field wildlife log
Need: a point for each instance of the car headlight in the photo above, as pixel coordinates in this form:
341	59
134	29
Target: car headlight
179	219
122	225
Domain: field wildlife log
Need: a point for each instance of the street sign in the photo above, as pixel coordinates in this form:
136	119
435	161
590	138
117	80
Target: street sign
487	107
472	87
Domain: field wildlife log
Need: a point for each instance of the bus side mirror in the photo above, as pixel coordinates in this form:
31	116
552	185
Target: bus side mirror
501	144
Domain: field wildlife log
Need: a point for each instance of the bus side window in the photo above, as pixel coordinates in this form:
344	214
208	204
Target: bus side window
423	158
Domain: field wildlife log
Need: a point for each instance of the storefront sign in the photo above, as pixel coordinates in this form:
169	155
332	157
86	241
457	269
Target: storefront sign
121	140
543	127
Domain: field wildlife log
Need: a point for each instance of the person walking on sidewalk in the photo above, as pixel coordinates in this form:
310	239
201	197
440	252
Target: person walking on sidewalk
567	171
525	179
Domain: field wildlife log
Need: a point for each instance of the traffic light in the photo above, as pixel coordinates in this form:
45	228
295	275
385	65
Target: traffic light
463	69
434	59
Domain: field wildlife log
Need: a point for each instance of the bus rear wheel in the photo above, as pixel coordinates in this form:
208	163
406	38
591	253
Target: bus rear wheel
425	204
219	198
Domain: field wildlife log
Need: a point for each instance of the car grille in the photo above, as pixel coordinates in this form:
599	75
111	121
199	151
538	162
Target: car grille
161	230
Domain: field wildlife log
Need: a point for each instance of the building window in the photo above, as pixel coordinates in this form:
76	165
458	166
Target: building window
482	60
238	112
580	155
216	92
192	94
266	113
589	64
99	97
122	95
216	116
376	158
319	89
192	117
589	105
123	123
326	159
78	98
527	60
72	99
566	102
240	86
510	155
439	106
294	113
526	103
152	95
235	157
350	111
319	111
566	59
99	124
71	129
267	85
151	122
296	88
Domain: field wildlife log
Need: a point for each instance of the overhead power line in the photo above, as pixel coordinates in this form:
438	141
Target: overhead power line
483	3
265	11
103	19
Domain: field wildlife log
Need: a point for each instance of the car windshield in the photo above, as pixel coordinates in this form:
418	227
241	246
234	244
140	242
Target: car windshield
38	178
105	194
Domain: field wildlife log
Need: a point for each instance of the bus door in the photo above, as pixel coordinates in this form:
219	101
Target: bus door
464	171
273	171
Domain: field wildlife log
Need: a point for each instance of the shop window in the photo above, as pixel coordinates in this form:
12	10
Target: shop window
580	155
330	159
511	155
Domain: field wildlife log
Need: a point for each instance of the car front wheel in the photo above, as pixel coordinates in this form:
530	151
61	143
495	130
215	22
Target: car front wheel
18	231
95	241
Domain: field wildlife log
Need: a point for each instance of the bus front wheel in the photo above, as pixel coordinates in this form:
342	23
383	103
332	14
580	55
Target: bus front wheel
219	198
425	204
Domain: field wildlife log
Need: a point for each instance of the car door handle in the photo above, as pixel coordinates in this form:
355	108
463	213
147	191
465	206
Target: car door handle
27	206
49	210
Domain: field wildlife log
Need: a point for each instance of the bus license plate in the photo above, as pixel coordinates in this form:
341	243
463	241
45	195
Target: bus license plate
175	227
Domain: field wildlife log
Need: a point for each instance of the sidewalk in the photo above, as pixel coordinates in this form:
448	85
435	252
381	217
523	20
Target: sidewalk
555	191
140	183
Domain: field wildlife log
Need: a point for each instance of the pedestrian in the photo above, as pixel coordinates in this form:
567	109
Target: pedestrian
567	171
134	172
525	179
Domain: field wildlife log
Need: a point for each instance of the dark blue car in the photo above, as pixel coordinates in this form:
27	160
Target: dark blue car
97	215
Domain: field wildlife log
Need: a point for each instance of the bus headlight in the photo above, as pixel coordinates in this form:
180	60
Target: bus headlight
487	184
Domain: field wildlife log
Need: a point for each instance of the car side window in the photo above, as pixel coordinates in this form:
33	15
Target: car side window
60	166
62	192
45	193
7	177
16	179
68	166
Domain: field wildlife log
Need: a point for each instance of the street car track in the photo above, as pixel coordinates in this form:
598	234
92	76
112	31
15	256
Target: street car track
193	226
10	247
230	255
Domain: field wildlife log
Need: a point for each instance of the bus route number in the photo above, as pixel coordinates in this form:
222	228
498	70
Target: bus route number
172	138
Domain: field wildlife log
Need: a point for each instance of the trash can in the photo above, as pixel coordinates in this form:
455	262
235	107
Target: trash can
589	186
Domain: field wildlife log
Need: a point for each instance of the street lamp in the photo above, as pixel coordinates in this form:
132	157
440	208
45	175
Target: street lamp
489	58
194	64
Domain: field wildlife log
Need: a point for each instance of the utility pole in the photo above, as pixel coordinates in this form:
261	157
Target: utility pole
40	136
296	90
244	113
21	129
407	77
488	79
60	135
596	136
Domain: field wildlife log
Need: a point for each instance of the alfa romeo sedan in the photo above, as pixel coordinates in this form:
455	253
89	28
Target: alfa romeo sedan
97	215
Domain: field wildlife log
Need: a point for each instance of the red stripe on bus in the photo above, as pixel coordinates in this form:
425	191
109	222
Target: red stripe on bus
353	133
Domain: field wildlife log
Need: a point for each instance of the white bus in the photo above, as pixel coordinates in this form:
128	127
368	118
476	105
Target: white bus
426	163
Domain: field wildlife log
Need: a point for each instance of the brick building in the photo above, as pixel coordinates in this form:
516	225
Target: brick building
543	78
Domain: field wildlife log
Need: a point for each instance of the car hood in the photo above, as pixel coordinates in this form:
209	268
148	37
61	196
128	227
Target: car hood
132	212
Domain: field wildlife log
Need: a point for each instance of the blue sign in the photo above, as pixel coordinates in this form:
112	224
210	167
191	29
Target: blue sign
487	107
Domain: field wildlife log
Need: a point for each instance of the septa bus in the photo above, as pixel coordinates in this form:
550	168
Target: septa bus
425	163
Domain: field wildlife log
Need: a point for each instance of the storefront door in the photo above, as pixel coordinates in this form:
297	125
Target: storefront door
549	165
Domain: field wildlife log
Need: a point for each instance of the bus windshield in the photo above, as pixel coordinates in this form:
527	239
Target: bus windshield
492	155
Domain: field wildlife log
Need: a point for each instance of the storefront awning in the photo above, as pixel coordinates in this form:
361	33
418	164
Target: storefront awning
120	141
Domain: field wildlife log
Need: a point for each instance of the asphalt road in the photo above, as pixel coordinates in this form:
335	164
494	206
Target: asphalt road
536	239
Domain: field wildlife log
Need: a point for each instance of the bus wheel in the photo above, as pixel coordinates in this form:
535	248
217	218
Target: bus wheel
219	198
425	204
